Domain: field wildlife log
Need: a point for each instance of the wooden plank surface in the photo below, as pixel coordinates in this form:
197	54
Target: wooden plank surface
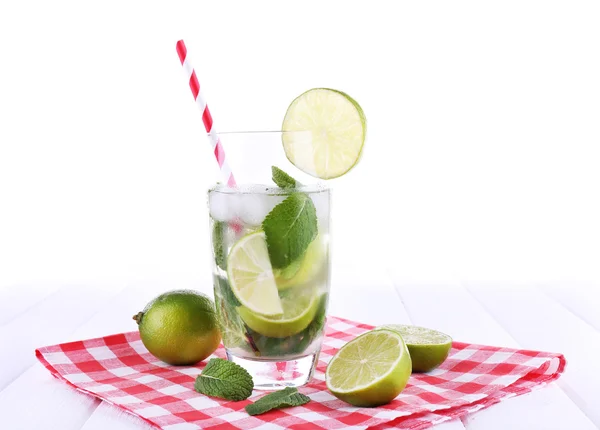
16	299
37	400
539	322
368	297
452	309
58	404
50	321
581	298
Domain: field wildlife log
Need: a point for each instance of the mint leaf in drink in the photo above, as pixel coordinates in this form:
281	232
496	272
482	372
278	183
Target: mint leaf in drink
221	286
289	228
233	330
282	179
224	379
219	244
287	397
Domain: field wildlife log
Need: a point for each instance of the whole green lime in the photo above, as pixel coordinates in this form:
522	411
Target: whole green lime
179	327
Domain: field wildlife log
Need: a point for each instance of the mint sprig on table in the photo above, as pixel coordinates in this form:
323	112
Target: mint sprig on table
287	397
224	379
291	226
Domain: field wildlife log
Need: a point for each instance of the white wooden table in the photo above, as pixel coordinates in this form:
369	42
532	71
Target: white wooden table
559	317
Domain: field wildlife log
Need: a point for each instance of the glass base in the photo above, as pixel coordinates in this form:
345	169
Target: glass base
276	375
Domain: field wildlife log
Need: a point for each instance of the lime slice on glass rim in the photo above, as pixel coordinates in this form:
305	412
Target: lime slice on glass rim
323	132
251	276
299	305
428	348
370	370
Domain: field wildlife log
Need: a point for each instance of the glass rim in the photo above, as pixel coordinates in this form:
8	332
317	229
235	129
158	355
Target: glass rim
263	189
243	132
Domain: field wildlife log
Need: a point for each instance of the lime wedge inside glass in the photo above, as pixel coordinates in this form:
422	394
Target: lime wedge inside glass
299	308
251	276
324	132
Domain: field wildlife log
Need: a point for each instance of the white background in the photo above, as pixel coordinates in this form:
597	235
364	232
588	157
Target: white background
475	209
481	161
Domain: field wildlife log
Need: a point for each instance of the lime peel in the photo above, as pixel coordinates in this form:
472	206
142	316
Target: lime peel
251	276
324	132
428	348
299	309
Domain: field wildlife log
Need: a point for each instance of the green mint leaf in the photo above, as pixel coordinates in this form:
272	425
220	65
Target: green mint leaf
282	179
219	244
287	397
233	329
222	288
224	379
289	228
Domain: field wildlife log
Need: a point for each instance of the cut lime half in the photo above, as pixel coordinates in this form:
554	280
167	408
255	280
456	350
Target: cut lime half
370	370
428	348
324	132
251	275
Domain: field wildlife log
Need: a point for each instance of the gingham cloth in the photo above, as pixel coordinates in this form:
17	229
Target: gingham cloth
120	370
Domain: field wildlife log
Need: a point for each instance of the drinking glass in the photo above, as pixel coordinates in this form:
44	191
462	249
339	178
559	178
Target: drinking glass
250	274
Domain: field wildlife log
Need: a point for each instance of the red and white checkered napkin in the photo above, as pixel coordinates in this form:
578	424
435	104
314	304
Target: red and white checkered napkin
120	370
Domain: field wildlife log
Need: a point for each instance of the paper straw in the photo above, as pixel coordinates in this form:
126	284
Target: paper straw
213	137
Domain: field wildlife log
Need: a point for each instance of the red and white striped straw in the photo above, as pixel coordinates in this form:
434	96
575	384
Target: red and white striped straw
213	137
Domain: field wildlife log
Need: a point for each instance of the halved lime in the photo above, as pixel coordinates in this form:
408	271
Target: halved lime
428	348
251	275
305	269
370	370
299	308
324	132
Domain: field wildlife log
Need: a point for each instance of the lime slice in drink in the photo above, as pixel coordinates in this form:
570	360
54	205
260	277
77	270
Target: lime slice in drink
251	275
370	370
305	269
428	348
299	308
324	132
